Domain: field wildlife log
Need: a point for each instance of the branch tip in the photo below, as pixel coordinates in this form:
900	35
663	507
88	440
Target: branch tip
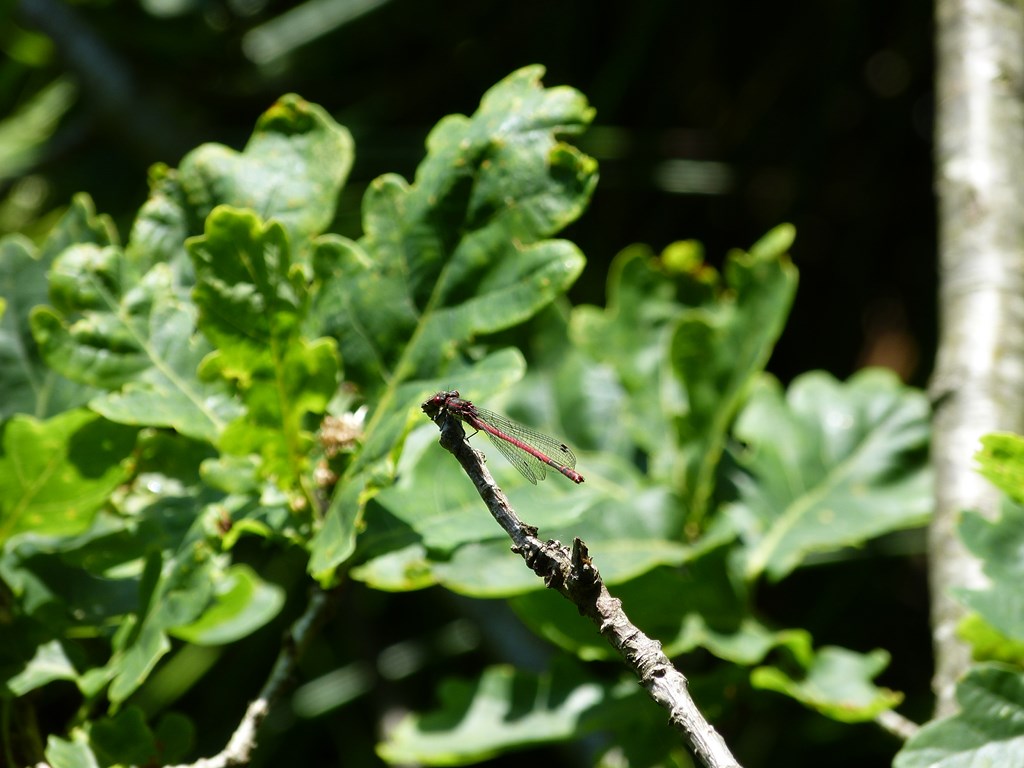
573	574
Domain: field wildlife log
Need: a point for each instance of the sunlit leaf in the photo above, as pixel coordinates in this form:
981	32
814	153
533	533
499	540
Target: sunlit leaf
30	386
251	303
1001	460
291	171
998	544
70	753
49	663
503	709
55	474
988	729
243	602
718	349
460	252
685	343
828	465
646	296
988	643
133	334
836	683
176	591
122	739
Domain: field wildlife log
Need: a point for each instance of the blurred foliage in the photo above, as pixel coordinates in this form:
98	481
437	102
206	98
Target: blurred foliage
988	728
816	114
693	140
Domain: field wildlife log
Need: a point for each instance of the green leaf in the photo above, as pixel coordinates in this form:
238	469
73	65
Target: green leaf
828	466
413	540
1001	460
569	394
988	729
718	350
459	253
113	328
90	584
447	537
647	295
25	133
989	644
291	171
49	663
80	224
836	683
372	468
686	344
176	590
55	474
122	739
251	302
28	385
174	735
46	573
163	224
73	753
243	602
503	709
998	544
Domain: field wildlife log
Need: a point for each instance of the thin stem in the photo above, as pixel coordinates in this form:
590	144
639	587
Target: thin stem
572	574
242	742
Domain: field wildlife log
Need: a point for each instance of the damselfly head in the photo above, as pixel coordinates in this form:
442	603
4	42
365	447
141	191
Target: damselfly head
438	402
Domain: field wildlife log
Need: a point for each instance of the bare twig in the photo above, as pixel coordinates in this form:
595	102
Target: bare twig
573	575
899	726
242	742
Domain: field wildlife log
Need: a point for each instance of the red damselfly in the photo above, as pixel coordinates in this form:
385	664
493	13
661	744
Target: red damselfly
528	451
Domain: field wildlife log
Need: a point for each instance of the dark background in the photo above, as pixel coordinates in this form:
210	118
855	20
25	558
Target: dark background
715	121
818	114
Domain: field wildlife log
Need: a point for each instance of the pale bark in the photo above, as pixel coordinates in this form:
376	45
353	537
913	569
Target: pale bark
978	386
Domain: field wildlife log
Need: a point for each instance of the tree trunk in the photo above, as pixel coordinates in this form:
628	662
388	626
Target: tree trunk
978	385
